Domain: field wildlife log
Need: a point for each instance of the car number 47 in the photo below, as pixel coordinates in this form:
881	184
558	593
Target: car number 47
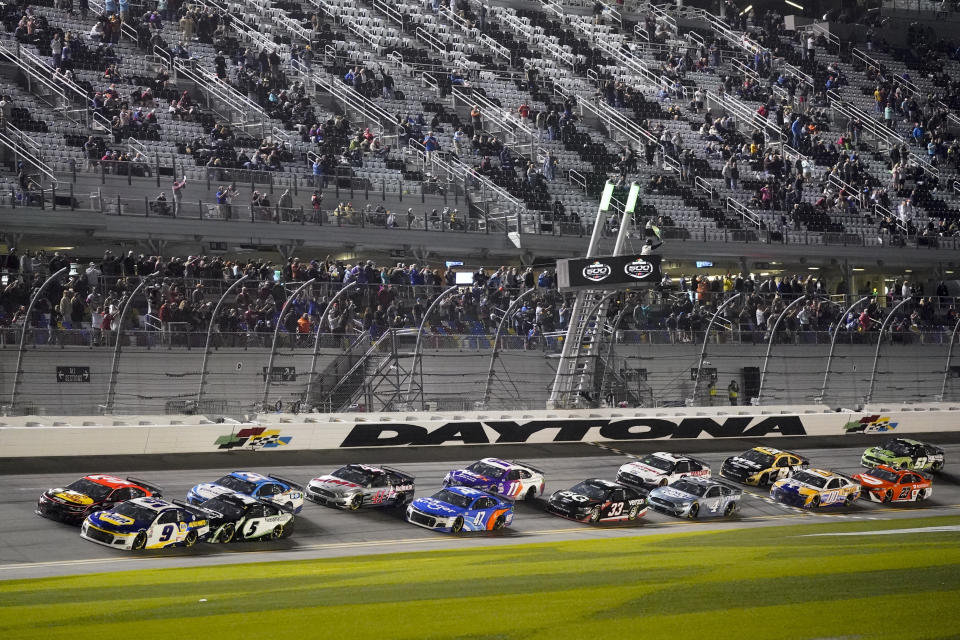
478	521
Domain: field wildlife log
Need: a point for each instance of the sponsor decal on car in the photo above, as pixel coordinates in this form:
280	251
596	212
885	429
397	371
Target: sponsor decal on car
253	438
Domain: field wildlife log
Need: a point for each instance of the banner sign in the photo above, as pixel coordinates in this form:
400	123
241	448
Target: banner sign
73	374
611	272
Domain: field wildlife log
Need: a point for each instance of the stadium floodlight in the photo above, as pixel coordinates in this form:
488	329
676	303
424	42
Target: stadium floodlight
607	196
794	5
632	197
749	6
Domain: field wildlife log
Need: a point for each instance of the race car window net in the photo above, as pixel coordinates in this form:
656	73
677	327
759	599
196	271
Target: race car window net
763	459
686	486
135	511
812	479
93	490
482	468
590	490
656	462
883	474
236	484
451	497
352	474
899	449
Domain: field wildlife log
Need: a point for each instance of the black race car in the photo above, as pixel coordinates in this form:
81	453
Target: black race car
596	500
98	492
234	516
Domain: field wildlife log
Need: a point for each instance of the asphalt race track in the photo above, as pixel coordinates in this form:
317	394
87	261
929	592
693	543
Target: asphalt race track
31	546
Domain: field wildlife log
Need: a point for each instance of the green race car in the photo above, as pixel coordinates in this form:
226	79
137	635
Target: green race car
901	453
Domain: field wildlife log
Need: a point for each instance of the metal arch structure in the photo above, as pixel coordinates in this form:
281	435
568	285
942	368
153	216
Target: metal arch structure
316	336
876	354
833	342
268	378
23	334
703	349
115	366
213	319
773	334
416	348
946	368
594	311
496	342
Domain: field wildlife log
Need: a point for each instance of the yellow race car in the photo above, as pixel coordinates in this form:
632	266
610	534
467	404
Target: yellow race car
762	466
813	488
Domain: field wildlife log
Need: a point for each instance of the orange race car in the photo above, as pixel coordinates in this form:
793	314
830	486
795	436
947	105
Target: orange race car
886	484
73	503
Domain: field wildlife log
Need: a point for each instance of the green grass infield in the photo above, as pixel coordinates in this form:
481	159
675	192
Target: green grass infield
766	583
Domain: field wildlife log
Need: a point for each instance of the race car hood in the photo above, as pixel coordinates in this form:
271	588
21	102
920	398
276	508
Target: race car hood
743	463
112	521
435	507
572	501
880	452
335	485
70	497
471	479
794	486
669	494
209	490
642	470
870	482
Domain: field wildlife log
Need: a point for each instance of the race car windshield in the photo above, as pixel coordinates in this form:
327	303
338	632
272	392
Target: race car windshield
236	484
765	460
811	479
483	469
589	490
883	474
351	475
136	512
689	487
229	510
656	462
452	497
95	491
899	449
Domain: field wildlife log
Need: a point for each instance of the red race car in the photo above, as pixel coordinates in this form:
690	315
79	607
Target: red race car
79	499
886	484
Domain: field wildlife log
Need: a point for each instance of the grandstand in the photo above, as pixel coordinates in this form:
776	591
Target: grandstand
296	148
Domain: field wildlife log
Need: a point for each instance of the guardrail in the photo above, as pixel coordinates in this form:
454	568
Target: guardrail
224	95
867	60
389	11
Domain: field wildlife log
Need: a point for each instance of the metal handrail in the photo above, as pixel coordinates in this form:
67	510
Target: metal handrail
20	150
745	212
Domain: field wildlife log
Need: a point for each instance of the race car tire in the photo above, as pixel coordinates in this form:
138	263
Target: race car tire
355	502
457	525
140	541
632	515
849	499
730	508
226	533
531	494
191	539
664	482
888	496
594	515
288	529
921	495
815	502
499	523
694	511
277	532
764	480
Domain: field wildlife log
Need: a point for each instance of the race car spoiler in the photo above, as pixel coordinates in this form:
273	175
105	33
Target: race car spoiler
157	491
726	483
528	466
398	472
294	485
697	460
192	508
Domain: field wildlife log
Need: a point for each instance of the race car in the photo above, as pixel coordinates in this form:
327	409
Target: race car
513	480
73	503
660	469
145	523
234	516
596	500
360	485
887	484
286	493
903	453
456	509
696	497
813	488
762	466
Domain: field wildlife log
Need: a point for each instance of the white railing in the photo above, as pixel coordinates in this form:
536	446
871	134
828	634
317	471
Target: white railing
389	11
494	46
842	185
21	151
746	213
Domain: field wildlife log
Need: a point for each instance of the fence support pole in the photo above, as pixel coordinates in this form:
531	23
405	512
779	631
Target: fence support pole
876	355
773	333
276	332
114	367
946	368
703	349
316	337
496	342
206	350
833	342
416	349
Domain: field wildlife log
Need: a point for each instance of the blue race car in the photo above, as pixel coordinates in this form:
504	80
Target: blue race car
505	478
270	488
455	509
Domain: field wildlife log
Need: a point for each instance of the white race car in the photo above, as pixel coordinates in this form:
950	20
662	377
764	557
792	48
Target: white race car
660	469
145	523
